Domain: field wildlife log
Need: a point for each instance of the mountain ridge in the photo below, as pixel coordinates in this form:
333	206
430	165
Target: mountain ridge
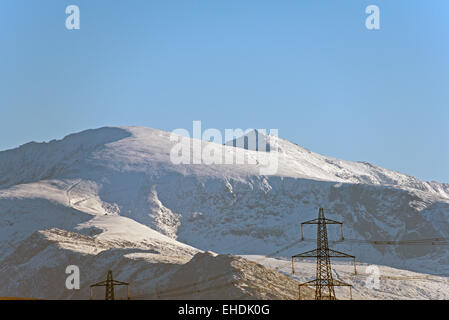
94	140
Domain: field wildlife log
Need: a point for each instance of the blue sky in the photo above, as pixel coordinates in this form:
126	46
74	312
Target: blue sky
308	68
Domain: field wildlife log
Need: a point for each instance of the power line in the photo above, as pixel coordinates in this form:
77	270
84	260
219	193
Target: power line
431	241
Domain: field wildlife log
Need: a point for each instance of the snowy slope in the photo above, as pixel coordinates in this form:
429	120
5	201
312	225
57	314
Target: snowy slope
393	283
157	268
119	187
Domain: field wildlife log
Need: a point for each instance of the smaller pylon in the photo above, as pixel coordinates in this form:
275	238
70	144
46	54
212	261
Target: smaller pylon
109	284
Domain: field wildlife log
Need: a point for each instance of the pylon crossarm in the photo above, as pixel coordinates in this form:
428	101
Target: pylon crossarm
314	221
330	221
337	254
99	284
326	220
338	283
314	253
308	254
120	283
333	282
309	283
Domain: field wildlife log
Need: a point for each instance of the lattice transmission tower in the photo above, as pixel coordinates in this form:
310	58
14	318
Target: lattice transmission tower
109	284
324	283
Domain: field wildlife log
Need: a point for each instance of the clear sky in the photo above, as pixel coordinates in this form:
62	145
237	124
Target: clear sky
308	68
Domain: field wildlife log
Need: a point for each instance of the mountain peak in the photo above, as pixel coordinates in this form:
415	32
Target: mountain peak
252	139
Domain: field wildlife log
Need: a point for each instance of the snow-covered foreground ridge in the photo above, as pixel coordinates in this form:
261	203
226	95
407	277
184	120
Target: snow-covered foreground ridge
113	193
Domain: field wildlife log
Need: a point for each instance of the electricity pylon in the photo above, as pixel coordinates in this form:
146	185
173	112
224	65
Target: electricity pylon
324	283
109	284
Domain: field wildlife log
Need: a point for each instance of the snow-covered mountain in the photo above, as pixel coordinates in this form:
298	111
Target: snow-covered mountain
112	197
